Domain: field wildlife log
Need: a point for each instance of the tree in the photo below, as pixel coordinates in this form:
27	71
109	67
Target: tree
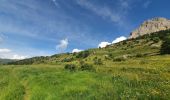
83	54
165	47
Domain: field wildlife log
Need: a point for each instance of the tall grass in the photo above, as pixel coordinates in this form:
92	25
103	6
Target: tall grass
112	81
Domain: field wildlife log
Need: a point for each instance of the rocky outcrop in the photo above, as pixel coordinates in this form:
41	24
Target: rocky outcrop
150	26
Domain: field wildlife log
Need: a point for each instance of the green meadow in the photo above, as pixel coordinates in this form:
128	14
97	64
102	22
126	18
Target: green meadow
130	70
136	79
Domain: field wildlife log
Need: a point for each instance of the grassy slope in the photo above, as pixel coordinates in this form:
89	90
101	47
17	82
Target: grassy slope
143	45
141	78
138	77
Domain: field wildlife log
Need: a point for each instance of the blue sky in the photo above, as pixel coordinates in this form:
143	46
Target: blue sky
44	27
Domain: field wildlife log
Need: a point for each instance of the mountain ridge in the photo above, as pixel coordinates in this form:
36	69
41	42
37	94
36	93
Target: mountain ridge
152	25
139	43
5	61
146	45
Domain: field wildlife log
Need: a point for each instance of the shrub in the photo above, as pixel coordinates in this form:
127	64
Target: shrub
87	67
119	59
165	47
137	41
139	55
97	61
124	42
110	55
83	54
67	59
81	62
70	67
155	39
107	57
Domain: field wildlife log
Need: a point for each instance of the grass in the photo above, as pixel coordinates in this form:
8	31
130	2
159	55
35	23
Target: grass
129	70
137	79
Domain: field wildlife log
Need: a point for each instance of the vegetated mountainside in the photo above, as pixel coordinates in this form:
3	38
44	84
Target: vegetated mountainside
146	45
5	61
134	69
130	70
150	26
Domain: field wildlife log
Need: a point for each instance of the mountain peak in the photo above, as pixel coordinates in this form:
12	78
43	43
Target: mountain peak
150	26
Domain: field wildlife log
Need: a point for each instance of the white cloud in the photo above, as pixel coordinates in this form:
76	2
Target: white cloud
55	3
1	39
104	12
116	14
119	39
4	50
103	44
124	4
19	57
146	4
9	54
76	50
12	55
63	45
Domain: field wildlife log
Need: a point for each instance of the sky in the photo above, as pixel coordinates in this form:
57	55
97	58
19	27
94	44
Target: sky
31	28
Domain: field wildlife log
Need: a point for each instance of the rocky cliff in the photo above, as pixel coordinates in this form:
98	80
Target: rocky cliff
150	26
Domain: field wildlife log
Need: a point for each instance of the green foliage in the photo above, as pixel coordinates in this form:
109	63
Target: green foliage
5	61
143	62
110	55
68	59
135	79
87	67
119	59
165	47
70	67
97	61
29	61
142	44
83	54
107	57
139	55
124	42
133	76
155	39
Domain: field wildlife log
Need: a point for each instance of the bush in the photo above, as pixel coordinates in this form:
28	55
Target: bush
107	57
87	67
83	54
137	41
97	61
155	39
124	42
70	67
119	59
165	47
67	59
139	55
110	55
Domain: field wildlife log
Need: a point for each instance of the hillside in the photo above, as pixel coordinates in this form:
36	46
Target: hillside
134	69
146	45
5	61
84	50
130	70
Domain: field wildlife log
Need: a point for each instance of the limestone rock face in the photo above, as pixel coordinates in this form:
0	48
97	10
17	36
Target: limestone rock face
150	26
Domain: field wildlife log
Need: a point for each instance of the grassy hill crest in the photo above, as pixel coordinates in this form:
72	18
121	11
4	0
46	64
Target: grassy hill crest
146	45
